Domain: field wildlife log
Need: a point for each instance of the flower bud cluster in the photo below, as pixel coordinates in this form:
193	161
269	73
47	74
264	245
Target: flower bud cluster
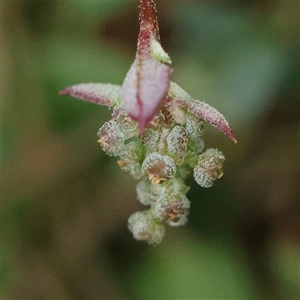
156	131
162	157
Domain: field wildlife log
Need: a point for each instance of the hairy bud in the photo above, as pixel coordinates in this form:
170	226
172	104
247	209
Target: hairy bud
131	159
159	167
151	138
128	126
209	167
144	193
146	228
177	140
194	126
111	138
171	207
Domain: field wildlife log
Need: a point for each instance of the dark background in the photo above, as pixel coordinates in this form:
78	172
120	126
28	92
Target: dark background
65	203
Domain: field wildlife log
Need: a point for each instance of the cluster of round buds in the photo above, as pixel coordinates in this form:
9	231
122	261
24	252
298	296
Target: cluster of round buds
209	167
162	156
168	204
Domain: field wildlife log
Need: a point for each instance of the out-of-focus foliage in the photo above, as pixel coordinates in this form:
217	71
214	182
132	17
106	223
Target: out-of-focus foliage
65	204
190	268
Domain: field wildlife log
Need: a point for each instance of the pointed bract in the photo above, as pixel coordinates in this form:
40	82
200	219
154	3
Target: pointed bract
208	113
144	88
98	93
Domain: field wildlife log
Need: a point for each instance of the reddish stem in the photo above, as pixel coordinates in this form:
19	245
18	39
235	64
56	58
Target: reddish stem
148	17
148	27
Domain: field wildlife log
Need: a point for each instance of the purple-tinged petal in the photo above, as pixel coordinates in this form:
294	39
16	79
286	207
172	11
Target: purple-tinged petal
208	113
144	88
98	93
147	81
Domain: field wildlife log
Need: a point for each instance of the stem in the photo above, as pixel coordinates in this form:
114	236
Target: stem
148	27
148	17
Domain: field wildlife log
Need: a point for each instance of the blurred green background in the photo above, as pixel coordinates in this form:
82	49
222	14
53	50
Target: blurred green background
65	203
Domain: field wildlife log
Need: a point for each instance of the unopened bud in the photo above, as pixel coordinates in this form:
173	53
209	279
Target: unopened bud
196	145
159	167
144	193
209	167
151	138
171	207
131	159
194	126
178	114
211	159
111	138
145	228
177	140
128	126
203	178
